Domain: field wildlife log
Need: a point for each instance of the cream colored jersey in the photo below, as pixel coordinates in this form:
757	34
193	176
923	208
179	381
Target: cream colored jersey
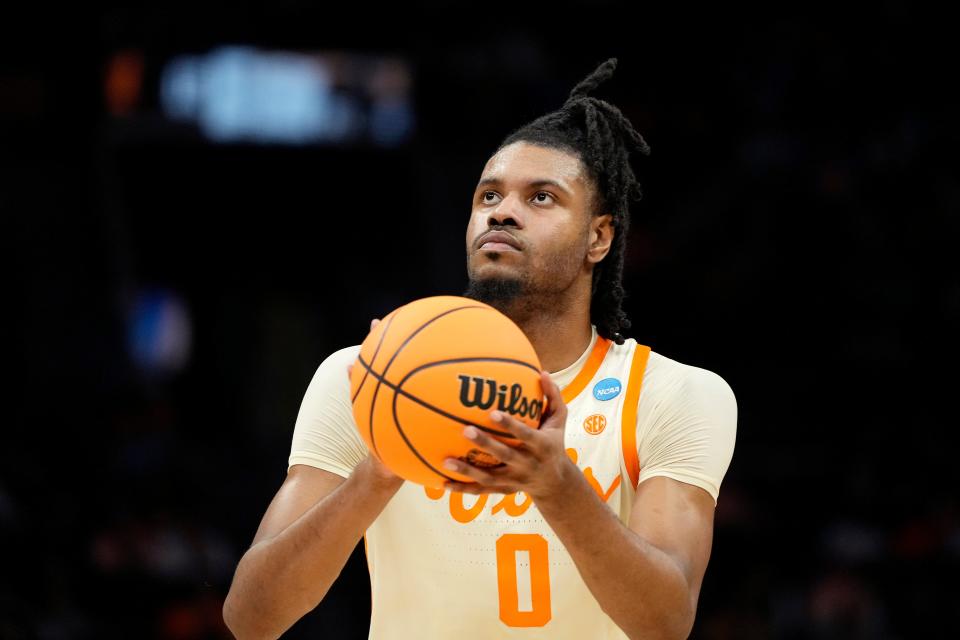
451	565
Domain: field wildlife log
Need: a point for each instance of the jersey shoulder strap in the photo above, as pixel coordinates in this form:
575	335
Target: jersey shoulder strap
589	369
628	426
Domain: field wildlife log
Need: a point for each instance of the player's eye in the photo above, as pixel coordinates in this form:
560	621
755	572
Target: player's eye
544	193
483	196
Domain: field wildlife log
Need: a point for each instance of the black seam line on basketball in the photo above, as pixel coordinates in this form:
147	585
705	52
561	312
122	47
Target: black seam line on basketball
463	421
366	374
427	405
399	386
398	391
396	421
373	400
380	378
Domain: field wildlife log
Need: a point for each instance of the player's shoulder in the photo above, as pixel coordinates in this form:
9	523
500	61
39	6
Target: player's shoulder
695	385
670	376
344	356
333	368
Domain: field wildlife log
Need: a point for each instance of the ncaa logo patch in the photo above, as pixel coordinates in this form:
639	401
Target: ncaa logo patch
607	389
594	424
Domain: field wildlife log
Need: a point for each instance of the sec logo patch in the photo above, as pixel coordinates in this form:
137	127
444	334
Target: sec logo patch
594	424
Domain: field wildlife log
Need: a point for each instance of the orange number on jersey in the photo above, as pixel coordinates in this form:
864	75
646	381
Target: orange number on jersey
507	546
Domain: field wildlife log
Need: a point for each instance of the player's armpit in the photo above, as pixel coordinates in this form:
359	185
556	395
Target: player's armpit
303	487
677	518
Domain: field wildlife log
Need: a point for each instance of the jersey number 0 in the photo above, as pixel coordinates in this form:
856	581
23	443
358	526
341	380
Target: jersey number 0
538	613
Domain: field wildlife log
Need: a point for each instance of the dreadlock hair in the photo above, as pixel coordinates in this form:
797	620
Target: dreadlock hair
602	138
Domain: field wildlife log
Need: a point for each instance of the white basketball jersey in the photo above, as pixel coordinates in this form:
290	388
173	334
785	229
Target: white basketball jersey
463	566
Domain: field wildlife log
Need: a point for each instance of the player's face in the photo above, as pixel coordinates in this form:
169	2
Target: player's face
535	202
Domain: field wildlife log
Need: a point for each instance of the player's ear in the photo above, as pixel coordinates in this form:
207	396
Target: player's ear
601	237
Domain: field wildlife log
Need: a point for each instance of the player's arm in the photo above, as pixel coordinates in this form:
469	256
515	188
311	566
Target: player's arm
673	523
646	576
333	492
304	540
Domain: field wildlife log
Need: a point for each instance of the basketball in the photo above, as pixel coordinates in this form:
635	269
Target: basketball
429	369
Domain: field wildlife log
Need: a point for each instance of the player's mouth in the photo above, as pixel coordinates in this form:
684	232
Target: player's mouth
497	246
498	241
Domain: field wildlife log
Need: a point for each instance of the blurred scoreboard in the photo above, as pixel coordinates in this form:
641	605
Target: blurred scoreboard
244	94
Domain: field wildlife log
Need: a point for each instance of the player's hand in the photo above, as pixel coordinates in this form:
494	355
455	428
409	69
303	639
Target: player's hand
377	468
539	466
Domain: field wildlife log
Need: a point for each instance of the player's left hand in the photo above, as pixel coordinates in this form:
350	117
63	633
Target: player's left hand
538	466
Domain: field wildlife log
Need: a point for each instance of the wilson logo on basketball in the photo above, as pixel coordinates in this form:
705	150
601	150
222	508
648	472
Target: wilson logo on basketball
594	424
483	392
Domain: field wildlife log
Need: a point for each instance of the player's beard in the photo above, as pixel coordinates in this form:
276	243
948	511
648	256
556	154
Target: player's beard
521	297
498	292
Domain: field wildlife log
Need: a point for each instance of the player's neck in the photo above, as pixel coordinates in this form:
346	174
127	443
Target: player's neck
559	329
559	340
557	324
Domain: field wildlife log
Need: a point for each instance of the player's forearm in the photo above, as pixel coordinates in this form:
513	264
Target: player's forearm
640	587
280	579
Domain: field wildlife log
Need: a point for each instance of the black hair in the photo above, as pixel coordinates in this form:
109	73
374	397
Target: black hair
602	138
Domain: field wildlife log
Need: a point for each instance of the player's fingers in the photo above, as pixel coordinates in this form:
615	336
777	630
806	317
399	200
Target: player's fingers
520	431
463	487
550	387
374	323
476	488
472	472
491	445
555	404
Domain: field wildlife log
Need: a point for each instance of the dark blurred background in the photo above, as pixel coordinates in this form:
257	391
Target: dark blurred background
201	204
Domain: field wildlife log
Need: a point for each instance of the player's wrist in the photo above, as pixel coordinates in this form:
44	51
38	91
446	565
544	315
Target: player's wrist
379	475
556	488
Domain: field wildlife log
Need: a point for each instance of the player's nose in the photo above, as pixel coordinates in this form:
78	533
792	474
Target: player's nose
507	213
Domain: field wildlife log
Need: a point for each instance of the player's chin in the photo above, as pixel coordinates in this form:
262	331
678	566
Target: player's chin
497	281
494	264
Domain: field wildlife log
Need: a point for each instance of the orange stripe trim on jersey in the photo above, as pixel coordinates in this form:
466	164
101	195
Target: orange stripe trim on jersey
569	392
628	429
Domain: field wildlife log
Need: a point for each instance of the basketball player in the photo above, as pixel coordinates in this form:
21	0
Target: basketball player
600	524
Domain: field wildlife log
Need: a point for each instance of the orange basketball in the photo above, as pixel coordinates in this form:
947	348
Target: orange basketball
429	369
